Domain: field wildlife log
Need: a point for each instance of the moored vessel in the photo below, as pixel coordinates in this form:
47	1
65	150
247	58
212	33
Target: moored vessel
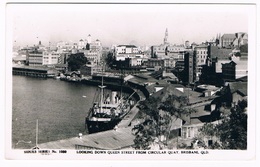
107	110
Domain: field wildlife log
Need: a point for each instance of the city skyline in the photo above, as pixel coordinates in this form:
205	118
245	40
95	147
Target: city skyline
140	24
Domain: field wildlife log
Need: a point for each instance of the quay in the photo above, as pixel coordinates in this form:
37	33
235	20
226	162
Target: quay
41	72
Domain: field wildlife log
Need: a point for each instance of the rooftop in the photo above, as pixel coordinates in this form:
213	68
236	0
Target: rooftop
128	46
107	140
229	36
238	86
220	53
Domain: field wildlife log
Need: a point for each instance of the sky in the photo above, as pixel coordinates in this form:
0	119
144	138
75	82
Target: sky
140	24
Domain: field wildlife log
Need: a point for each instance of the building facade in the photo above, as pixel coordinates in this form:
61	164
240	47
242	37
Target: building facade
233	40
229	71
51	58
35	58
89	70
190	66
201	53
123	52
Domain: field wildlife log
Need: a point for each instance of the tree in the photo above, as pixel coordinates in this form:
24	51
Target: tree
244	48
75	61
231	132
157	120
147	131
110	59
208	131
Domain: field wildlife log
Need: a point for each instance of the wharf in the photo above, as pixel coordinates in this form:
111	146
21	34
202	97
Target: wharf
128	119
41	72
126	122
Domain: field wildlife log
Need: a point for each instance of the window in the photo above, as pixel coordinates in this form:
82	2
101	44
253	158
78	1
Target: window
210	142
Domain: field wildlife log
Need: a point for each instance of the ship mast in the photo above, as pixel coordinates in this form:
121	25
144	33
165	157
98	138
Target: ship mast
121	77
36	138
102	91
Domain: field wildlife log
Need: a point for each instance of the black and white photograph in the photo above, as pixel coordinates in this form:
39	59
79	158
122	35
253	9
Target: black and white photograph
171	81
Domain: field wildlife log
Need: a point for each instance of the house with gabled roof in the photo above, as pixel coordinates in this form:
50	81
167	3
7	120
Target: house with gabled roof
237	92
186	126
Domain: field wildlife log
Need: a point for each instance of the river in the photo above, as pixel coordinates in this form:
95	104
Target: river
59	106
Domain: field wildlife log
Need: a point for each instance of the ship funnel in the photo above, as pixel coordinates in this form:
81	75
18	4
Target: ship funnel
113	97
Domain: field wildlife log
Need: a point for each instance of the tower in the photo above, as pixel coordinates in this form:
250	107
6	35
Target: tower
166	37
89	38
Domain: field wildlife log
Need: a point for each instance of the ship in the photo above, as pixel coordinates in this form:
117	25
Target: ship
107	110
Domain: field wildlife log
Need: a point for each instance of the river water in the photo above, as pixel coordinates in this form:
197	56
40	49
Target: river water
59	106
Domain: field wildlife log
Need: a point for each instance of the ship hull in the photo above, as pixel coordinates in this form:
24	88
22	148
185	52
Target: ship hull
99	126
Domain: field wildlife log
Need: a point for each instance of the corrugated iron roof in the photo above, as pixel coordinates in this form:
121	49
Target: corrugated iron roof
238	86
107	140
229	36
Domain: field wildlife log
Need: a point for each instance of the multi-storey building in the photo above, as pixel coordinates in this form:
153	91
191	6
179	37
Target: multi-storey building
51	58
91	50
241	39
169	62
125	49
82	44
35	58
90	69
123	52
201	53
165	49
155	63
66	47
229	71
227	40
93	57
137	61
170	54
190	66
232	40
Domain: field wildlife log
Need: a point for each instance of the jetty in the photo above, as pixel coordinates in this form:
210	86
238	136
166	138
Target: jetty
40	72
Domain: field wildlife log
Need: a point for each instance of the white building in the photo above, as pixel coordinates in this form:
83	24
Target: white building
50	58
82	44
126	51
94	52
201	52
